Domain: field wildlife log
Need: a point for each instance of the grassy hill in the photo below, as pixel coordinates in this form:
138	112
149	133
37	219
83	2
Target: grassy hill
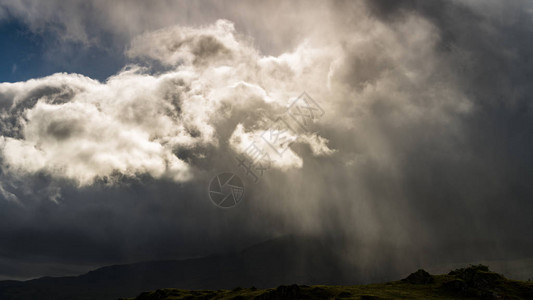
474	282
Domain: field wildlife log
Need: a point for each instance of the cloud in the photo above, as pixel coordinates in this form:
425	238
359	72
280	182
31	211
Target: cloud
8	195
214	44
89	135
423	142
72	127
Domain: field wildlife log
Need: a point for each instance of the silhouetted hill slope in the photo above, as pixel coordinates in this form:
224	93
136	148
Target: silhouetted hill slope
291	259
474	282
287	259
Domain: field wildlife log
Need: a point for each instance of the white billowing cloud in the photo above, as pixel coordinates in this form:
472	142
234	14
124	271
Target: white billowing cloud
252	144
72	127
101	130
318	144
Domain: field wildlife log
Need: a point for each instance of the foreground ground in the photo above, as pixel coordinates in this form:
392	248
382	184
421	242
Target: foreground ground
474	282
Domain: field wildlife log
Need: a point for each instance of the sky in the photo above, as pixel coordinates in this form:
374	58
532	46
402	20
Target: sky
116	115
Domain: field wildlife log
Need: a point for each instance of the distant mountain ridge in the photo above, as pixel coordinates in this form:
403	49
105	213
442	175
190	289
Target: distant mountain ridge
285	260
269	264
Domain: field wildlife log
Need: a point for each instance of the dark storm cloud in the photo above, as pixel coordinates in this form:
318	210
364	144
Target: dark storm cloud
105	225
426	132
490	177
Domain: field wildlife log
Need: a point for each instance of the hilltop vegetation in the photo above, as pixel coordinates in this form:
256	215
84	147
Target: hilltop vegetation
473	282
